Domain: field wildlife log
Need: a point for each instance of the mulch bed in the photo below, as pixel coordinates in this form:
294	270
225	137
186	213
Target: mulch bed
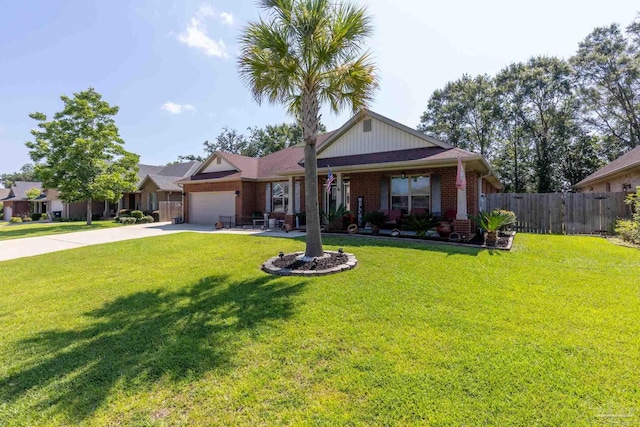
291	262
292	265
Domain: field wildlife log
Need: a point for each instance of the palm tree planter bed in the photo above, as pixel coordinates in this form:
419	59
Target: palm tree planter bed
293	265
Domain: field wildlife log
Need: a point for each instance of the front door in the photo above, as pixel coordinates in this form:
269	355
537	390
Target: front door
132	201
330	200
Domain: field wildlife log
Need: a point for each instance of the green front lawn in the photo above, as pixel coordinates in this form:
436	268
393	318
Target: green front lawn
34	229
185	330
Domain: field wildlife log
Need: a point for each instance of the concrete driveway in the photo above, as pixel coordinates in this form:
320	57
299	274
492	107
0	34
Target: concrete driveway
30	246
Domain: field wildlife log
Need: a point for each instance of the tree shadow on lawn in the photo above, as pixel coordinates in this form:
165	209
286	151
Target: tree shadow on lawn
138	339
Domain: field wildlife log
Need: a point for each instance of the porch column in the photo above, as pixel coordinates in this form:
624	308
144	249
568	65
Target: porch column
339	196
462	204
289	218
290	208
120	204
462	223
105	214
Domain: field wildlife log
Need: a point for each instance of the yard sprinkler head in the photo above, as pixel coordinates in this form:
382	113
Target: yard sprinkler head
281	254
340	251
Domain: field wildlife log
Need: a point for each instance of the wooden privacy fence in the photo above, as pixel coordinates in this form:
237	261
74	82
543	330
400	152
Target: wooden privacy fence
562	213
169	210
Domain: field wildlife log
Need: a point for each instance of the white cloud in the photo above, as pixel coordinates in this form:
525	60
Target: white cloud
197	36
226	18
174	108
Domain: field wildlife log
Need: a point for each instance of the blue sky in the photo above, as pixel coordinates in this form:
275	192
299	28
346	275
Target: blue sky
170	65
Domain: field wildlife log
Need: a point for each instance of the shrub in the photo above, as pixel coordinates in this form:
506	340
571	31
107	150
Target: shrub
26	219
128	220
155	215
44	217
15	219
124	212
628	230
421	223
137	214
509	214
376	218
146	219
36	216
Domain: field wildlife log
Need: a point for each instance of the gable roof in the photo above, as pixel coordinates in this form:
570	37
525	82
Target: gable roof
164	177
290	161
4	193
18	190
254	168
371	114
624	162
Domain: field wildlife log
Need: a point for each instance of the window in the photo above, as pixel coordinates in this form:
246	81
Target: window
279	196
366	125
218	160
410	193
153	201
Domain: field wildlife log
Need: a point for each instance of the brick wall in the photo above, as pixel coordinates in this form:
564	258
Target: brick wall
367	185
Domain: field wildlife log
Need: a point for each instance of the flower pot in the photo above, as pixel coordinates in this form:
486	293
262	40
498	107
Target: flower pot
375	230
444	229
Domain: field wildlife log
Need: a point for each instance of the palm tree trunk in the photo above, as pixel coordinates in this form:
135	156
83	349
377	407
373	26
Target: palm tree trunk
310	119
89	212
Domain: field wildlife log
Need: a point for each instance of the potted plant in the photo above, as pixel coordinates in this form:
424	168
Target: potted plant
421	223
377	219
492	223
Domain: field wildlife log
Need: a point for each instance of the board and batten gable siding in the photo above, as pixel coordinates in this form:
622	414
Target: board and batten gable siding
381	138
215	167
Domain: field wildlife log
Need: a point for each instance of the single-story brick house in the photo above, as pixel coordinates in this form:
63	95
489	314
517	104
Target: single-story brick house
157	184
377	163
17	203
622	174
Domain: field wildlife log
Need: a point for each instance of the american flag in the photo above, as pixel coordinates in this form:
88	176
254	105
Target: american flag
330	179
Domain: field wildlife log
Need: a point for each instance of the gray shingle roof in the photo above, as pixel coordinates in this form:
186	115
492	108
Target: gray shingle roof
19	189
628	160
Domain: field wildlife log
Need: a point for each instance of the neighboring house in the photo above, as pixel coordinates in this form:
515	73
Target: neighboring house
622	174
377	163
157	184
16	202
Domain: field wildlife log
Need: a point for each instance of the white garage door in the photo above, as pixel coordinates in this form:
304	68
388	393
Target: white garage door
207	208
7	213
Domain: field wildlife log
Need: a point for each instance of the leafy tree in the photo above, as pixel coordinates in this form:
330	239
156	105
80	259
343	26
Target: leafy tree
33	194
80	152
261	141
464	114
581	157
26	173
607	73
301	54
541	98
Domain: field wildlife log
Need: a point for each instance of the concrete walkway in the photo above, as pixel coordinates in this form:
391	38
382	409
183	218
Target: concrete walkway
31	246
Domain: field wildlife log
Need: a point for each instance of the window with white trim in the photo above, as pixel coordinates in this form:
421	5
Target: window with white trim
279	196
412	192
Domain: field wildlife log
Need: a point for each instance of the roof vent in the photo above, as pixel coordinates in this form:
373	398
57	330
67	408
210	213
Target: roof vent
366	125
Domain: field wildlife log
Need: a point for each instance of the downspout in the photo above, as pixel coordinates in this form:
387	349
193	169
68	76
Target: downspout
182	204
480	189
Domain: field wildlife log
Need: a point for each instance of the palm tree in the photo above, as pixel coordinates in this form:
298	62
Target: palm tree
304	53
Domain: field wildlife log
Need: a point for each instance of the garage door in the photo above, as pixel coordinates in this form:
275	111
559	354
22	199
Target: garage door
207	208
